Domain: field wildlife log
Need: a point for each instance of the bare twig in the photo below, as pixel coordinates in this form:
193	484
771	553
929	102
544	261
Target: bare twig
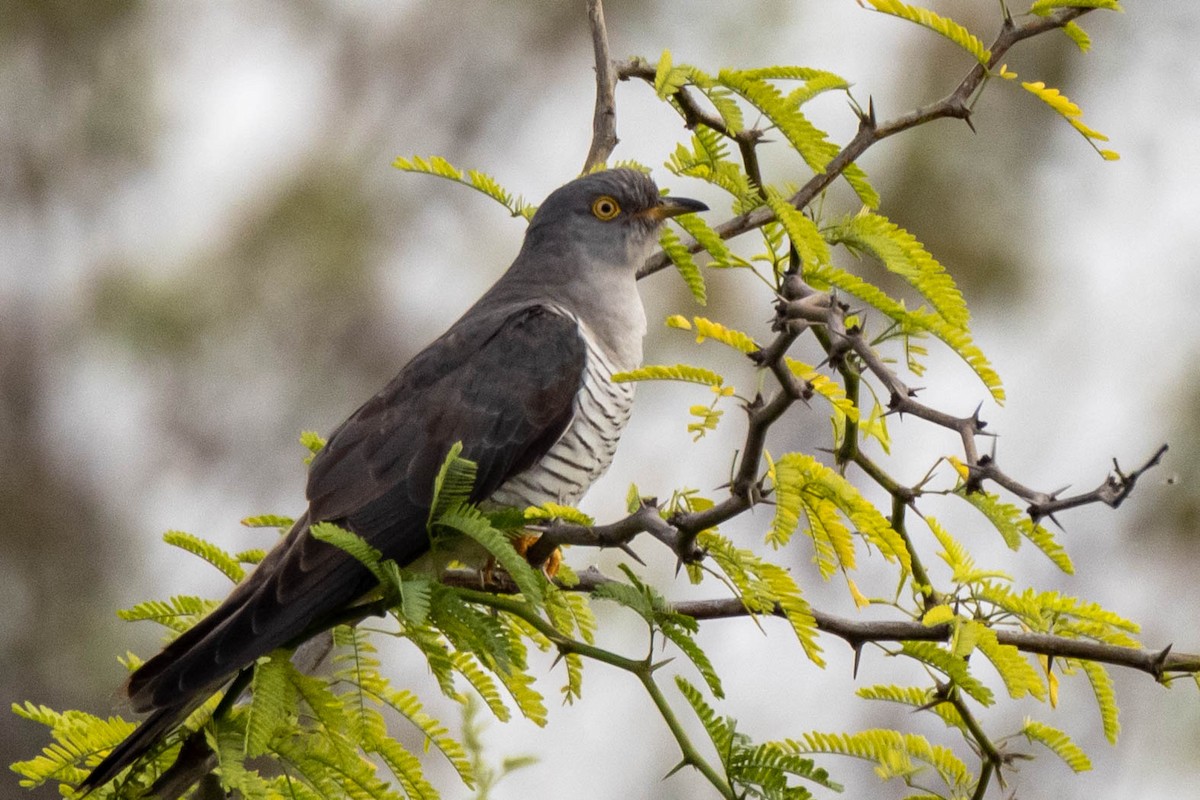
1112	492
604	121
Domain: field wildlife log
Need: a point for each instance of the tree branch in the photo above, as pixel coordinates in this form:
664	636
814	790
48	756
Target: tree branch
1157	663
604	120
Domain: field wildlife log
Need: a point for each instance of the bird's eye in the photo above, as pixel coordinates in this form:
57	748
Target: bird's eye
605	208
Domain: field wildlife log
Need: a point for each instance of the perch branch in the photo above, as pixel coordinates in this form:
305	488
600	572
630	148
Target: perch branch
1157	663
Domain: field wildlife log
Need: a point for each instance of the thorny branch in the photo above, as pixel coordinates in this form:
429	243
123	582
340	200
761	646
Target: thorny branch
955	105
1160	664
804	307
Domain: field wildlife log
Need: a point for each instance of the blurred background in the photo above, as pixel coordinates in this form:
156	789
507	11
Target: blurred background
204	251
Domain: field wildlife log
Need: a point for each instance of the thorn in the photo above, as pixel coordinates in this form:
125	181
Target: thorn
1008	18
557	658
676	768
967	119
659	664
627	550
1057	524
934	703
979	424
1160	661
858	648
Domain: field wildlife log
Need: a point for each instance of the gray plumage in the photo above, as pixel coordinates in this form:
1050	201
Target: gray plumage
522	379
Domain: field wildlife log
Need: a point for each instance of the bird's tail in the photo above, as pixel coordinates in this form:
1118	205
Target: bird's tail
136	745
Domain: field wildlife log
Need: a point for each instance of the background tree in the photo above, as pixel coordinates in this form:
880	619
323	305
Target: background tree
117	293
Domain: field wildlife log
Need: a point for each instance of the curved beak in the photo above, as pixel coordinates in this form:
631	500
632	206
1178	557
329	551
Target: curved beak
673	207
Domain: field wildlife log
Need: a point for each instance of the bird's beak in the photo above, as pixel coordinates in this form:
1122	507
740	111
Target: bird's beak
673	207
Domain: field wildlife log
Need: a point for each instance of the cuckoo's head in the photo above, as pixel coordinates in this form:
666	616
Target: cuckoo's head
610	217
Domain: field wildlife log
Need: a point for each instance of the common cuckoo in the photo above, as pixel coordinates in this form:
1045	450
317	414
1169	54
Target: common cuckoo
523	380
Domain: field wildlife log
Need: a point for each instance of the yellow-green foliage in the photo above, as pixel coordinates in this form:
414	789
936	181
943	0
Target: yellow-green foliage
940	25
343	735
805	485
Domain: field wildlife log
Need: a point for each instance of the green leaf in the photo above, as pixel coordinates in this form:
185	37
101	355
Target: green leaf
1044	8
1019	676
353	544
407	705
678	372
667	78
720	730
910	322
1106	697
416	597
269	521
478	181
313	442
939	25
710	240
892	752
548	512
270	705
802	482
950	665
1062	106
1014	524
79	741
707	329
1059	742
824	386
178	613
482	683
404	766
669	241
708	160
802	231
809	141
453	483
901	253
761	586
1078	35
208	551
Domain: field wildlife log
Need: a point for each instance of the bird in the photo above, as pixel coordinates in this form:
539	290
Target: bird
522	380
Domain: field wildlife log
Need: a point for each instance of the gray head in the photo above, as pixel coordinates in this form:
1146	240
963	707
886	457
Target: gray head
606	218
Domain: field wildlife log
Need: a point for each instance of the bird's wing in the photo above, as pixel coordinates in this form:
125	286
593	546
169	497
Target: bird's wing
504	385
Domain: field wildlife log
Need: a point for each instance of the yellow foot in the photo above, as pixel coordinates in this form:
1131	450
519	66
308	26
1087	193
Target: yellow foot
525	541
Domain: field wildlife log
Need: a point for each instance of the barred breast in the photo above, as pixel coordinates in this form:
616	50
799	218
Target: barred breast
586	448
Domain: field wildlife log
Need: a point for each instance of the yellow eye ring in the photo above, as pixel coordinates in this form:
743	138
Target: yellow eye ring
605	208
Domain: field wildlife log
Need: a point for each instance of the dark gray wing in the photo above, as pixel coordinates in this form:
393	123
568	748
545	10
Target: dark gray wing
508	397
502	384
